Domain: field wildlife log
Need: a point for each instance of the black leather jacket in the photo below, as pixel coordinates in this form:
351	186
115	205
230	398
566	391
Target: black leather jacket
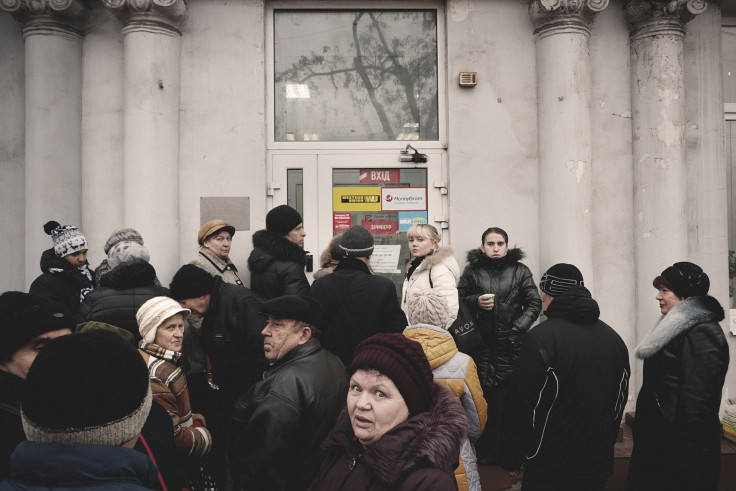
279	424
517	304
276	266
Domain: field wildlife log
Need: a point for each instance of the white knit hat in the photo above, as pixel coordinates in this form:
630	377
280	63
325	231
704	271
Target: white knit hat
428	307
154	312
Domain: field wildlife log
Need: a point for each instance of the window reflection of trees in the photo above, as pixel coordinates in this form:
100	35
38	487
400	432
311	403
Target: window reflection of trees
389	69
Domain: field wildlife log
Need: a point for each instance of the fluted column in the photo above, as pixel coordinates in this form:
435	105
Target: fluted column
563	97
52	30
658	119
152	44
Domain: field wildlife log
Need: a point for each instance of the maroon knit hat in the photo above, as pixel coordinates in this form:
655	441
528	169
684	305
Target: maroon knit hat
404	362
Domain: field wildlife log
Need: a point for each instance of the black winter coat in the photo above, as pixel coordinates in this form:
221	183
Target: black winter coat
11	428
517	304
418	454
277	266
676	429
278	426
567	394
122	291
355	305
61	282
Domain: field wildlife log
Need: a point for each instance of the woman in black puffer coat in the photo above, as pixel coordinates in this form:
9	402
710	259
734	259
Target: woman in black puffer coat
503	320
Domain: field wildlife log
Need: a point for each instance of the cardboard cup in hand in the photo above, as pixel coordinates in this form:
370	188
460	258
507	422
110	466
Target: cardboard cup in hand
486	301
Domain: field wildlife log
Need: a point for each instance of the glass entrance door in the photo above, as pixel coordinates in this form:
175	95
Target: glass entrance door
336	191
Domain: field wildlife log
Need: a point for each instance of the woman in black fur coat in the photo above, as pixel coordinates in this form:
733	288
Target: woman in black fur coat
677	429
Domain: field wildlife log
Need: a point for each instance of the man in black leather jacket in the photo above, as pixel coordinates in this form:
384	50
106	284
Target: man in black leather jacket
567	393
279	424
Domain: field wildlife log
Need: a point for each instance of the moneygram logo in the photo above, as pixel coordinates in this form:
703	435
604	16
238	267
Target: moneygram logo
389	198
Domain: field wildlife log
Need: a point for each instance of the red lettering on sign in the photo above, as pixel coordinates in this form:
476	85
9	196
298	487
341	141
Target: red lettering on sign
382	227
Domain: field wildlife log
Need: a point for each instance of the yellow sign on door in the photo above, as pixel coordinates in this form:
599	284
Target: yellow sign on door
356	199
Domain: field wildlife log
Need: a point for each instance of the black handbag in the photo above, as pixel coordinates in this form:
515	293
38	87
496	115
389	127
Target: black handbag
465	331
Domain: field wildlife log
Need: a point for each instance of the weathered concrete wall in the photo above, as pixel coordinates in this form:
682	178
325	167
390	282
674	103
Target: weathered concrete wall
12	156
613	234
223	149
706	166
493	127
102	131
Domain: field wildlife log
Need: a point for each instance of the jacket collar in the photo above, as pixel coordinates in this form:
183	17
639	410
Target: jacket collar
354	264
306	349
683	316
279	247
219	263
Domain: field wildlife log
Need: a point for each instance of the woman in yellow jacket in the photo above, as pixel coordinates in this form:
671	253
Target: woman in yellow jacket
427	309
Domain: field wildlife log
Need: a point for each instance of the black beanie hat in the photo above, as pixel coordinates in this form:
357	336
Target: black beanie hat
357	241
404	362
90	388
191	282
282	219
24	317
684	279
560	278
297	307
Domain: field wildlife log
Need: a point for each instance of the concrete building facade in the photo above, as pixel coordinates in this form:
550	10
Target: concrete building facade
594	132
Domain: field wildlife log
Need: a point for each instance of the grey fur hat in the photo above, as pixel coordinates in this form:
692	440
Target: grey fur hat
125	252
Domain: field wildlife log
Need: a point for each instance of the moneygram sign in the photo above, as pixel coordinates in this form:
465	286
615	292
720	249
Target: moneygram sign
403	199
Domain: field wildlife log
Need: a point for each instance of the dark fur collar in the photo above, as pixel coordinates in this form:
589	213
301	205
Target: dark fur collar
683	316
477	259
352	263
279	247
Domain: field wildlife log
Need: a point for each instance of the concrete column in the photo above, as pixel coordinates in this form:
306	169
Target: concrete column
658	119
53	90
565	163
152	44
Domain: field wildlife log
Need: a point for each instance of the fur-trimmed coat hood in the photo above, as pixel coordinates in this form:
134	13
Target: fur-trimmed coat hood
477	258
683	316
419	453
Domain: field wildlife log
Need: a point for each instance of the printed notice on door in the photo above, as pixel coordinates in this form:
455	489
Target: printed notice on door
385	259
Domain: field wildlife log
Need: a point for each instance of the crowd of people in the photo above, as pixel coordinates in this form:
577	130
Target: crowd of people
110	380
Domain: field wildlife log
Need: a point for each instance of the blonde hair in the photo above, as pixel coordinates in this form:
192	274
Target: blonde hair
424	230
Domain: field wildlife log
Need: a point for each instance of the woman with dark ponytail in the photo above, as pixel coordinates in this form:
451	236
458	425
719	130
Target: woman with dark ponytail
66	276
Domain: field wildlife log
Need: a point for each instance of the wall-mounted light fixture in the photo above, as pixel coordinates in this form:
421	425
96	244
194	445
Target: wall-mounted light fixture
415	158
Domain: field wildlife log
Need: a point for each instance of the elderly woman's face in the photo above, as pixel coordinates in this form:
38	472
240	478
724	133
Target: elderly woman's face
170	334
219	244
667	299
375	406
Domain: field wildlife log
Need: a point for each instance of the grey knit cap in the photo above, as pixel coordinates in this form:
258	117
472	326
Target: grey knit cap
125	252
428	307
120	235
357	241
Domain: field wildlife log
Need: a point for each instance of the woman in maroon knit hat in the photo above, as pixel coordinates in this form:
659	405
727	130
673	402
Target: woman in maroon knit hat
400	431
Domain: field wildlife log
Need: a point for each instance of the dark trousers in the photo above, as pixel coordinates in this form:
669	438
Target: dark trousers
543	482
487	445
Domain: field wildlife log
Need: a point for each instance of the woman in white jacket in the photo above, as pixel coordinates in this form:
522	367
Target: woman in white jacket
432	267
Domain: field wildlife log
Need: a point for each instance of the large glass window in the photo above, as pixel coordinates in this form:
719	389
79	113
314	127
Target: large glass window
366	75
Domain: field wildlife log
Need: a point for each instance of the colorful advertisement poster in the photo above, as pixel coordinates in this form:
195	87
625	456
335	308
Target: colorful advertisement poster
356	199
404	199
385	259
409	218
381	227
379	176
341	221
